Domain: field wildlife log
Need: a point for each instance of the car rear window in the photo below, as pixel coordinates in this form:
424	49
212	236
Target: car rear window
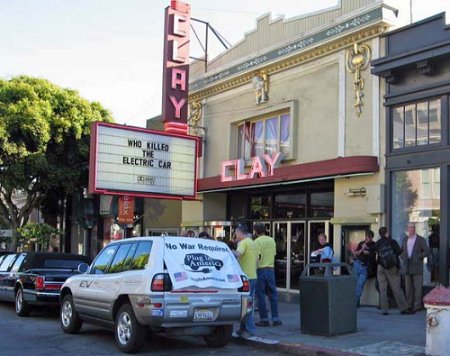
52	261
7	262
62	264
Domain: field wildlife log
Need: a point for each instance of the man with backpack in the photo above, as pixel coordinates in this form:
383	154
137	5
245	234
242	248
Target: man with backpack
388	251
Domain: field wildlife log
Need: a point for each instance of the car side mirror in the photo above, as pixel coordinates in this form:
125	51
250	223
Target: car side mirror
83	267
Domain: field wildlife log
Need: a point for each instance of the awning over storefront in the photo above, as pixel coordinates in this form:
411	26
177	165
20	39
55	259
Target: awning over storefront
290	174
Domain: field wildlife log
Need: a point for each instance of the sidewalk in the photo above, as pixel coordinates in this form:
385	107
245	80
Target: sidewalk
377	334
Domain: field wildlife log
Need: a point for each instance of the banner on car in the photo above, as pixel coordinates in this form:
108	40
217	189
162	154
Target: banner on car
193	262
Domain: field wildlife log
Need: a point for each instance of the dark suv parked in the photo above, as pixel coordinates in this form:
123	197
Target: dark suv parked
34	278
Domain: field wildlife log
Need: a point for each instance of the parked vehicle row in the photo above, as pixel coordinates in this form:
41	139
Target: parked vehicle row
158	284
31	278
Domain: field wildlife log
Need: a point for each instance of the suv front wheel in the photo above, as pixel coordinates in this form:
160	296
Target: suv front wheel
130	335
70	321
220	336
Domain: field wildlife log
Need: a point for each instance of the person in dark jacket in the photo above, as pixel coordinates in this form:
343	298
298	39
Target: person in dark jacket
415	249
388	273
364	253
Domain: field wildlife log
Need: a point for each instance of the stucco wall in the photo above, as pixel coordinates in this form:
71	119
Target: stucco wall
162	213
312	92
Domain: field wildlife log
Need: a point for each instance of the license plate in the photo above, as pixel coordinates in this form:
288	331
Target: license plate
203	315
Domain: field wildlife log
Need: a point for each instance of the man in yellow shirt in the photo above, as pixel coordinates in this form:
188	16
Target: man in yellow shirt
266	277
247	254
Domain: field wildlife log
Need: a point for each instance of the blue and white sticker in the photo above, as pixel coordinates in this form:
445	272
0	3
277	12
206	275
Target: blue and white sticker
157	312
178	313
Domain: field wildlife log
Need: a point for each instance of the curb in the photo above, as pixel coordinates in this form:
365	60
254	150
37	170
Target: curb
290	348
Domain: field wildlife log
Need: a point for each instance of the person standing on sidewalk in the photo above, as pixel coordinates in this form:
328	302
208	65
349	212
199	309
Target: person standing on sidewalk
388	251
365	255
415	249
266	277
247	255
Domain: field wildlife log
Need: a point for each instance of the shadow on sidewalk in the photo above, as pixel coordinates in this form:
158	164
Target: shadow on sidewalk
377	334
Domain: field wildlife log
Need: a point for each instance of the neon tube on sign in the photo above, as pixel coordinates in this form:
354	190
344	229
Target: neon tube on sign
261	166
176	67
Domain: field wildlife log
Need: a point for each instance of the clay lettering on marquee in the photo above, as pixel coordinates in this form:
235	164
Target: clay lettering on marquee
261	166
176	66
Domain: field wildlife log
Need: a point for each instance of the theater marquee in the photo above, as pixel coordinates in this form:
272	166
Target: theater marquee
133	161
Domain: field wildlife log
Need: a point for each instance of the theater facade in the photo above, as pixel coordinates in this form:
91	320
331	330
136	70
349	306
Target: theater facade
293	134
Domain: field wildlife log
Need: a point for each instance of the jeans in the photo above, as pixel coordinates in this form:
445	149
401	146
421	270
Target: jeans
248	323
361	272
266	282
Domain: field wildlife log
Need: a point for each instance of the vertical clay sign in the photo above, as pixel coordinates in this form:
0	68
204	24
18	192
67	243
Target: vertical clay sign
176	67
126	210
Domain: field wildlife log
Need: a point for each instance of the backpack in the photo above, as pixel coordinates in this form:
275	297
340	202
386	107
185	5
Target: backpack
386	256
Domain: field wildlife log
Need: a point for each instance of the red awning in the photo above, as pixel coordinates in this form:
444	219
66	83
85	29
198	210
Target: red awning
341	166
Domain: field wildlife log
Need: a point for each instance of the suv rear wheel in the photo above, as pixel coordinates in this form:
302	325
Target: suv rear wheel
130	335
220	336
22	307
70	321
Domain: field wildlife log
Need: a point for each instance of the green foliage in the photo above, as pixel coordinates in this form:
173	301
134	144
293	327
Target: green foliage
44	134
44	143
40	233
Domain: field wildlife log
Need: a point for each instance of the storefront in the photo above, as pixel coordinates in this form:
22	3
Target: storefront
416	70
292	132
294	216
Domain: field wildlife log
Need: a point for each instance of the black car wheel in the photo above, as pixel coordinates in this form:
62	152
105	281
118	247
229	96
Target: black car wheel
130	335
220	336
22	307
70	321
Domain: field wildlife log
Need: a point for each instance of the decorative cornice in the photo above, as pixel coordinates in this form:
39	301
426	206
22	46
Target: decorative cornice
287	63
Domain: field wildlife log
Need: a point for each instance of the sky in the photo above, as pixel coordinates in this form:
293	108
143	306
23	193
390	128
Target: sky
111	51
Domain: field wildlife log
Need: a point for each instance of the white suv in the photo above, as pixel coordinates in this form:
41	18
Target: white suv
177	285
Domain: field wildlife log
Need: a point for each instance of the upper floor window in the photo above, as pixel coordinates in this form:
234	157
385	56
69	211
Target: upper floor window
416	124
265	135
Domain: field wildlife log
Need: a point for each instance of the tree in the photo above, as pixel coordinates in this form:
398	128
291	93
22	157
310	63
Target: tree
41	234
44	145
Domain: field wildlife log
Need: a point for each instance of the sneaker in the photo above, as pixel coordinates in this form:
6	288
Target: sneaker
277	323
243	334
262	323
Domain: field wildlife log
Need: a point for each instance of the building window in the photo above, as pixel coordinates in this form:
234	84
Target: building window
416	124
415	198
290	206
266	135
321	204
260	207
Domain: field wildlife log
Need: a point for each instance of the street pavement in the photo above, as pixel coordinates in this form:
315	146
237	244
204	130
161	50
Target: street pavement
394	334
40	334
377	334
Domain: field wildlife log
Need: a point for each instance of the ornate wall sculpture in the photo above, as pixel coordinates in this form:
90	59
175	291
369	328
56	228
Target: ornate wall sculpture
260	82
195	115
356	60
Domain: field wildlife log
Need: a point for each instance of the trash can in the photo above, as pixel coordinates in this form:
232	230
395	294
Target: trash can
437	303
327	301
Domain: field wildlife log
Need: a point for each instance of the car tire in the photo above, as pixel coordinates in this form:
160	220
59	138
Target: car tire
220	336
129	334
22	307
68	317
